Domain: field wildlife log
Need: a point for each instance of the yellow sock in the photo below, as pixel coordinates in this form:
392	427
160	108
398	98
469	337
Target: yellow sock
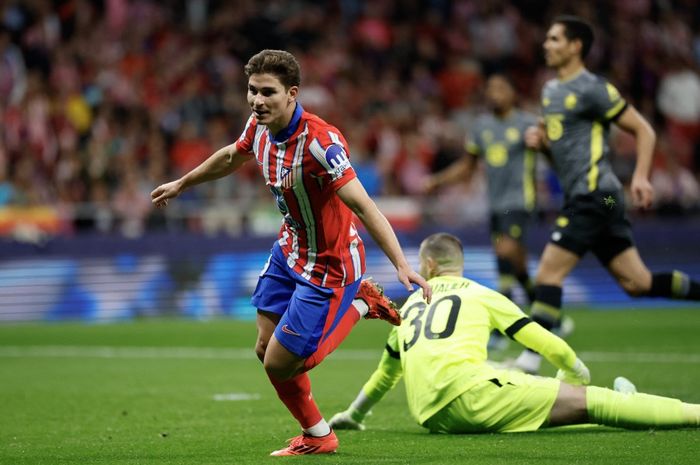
638	411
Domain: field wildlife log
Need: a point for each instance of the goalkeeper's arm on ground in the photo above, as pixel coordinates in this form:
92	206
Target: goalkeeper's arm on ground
551	347
511	321
383	380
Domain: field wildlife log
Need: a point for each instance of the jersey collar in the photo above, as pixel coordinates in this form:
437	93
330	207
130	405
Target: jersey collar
573	76
291	128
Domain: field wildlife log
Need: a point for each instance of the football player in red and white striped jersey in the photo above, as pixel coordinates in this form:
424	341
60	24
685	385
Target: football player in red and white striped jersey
310	292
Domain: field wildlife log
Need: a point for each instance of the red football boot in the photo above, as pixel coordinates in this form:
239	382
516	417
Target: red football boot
306	444
380	306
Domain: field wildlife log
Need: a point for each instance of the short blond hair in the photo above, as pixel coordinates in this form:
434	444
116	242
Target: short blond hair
444	248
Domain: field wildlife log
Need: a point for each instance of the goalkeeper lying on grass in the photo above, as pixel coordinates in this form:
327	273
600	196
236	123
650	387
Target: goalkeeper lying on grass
440	349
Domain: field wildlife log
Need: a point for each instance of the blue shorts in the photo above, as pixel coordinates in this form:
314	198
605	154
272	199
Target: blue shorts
309	312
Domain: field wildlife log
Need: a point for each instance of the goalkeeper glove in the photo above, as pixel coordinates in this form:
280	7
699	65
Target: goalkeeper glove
578	375
348	419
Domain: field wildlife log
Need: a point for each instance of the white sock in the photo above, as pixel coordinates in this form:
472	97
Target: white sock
529	362
319	429
362	403
361	307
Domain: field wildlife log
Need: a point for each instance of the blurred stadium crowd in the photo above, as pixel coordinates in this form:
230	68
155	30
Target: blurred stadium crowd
101	101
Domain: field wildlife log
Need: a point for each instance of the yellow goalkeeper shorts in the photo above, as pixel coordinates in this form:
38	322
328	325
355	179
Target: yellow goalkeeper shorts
509	402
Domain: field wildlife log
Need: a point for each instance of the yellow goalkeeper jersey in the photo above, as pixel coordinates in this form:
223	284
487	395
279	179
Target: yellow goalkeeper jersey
442	346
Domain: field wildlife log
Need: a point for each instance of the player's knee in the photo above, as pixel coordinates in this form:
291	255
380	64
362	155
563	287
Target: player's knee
278	371
634	287
260	348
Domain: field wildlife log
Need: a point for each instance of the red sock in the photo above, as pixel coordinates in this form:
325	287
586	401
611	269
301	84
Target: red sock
333	340
295	393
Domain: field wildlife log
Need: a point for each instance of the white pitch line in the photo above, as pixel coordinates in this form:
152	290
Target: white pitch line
639	357
195	353
235	396
220	353
126	352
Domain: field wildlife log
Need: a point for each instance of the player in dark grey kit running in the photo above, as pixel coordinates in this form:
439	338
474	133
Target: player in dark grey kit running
497	138
578	108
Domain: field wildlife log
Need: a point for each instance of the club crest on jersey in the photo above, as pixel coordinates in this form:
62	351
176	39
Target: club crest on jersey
286	179
337	160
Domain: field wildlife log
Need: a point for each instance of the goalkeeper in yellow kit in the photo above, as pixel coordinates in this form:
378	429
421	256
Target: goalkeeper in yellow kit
440	349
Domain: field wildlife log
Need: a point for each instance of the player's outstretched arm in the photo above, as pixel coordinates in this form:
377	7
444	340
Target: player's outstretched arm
641	189
553	348
383	380
353	194
223	162
510	319
459	170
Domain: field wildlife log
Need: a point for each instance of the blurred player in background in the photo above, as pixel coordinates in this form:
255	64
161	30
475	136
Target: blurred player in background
578	109
497	138
306	293
440	349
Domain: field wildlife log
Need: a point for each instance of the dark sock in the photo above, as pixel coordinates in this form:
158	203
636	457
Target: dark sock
506	277
528	285
694	291
546	309
675	285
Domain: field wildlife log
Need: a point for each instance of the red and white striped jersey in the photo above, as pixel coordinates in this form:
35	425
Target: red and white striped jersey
304	166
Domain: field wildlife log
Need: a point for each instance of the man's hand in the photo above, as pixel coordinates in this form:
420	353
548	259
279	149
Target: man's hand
535	136
642	192
344	420
408	276
578	375
161	194
429	185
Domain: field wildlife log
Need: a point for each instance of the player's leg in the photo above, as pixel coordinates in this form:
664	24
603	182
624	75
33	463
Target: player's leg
273	294
281	364
316	322
344	312
369	302
570	406
266	323
511	258
293	391
311	316
507	401
593	404
635	278
582	222
506	258
617	252
555	264
638	410
522	274
513	228
507	231
505	249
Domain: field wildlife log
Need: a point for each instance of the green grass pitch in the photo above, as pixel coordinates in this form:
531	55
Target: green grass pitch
144	393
